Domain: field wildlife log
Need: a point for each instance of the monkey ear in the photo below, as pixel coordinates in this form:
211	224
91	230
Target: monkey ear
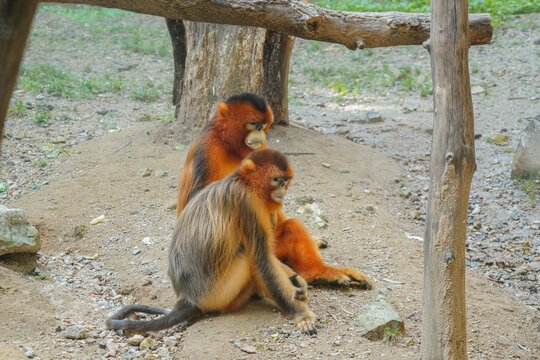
223	110
270	117
248	166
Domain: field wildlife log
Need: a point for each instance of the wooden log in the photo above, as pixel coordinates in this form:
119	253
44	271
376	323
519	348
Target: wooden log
297	18
452	168
15	20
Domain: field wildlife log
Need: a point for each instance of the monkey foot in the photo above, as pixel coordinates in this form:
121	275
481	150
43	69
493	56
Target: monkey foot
305	322
320	241
343	277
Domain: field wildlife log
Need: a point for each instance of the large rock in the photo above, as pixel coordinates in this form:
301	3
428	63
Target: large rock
378	319
526	162
17	235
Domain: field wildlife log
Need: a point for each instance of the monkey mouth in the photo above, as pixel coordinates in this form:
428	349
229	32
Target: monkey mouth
255	145
278	198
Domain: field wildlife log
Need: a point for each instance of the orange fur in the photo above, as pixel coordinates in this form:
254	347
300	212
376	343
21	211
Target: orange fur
223	142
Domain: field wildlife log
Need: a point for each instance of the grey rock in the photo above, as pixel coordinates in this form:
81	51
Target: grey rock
375	318
75	332
30	354
161	173
526	162
144	172
17	235
368	117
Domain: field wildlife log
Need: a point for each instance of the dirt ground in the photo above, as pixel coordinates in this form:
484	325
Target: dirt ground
360	189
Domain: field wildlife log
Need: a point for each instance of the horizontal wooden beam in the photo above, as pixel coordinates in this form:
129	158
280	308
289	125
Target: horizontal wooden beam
301	19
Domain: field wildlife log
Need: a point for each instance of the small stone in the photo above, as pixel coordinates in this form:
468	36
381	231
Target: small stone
30	354
248	349
531	277
40	97
170	340
304	199
99	219
68	261
171	206
326	165
75	332
147	343
161	173
144	172
80	230
475	90
135	340
102	111
59	140
370	208
58	328
136	252
499	139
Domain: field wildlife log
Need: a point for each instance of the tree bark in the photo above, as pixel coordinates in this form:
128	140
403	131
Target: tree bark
15	21
452	168
301	19
213	62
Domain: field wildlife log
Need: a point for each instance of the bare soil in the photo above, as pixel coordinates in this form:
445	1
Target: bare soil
361	188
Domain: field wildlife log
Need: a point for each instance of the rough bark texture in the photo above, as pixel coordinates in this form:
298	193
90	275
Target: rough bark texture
452	168
15	21
301	19
213	62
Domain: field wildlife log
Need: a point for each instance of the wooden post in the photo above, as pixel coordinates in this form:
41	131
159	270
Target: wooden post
452	168
15	20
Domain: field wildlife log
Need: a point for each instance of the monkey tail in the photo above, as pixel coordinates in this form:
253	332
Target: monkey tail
181	312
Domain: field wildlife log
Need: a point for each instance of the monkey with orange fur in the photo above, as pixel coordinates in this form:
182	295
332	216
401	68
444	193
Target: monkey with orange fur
238	128
222	254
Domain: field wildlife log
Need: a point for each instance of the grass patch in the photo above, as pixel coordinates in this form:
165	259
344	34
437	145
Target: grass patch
531	186
43	116
83	14
52	80
357	79
145	93
142	40
499	9
17	108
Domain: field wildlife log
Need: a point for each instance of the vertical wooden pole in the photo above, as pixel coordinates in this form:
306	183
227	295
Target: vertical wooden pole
15	20
452	168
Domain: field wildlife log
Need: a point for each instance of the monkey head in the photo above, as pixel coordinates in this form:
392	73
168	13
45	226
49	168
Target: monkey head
269	172
243	121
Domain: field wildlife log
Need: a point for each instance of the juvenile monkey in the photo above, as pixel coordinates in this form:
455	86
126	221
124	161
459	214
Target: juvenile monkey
222	253
238	128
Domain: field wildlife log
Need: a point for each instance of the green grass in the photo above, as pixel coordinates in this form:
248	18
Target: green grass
52	80
499	9
345	80
136	39
17	108
146	93
531	186
43	116
82	13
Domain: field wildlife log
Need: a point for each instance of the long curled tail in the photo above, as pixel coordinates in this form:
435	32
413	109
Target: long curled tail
181	312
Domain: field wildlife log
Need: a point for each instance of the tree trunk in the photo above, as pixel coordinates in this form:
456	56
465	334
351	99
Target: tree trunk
213	62
452	168
301	19
15	20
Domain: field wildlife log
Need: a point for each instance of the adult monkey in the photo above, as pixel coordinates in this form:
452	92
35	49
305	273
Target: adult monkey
221	251
238	128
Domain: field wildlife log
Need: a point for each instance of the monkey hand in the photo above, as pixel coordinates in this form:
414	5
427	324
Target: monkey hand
301	287
320	241
305	321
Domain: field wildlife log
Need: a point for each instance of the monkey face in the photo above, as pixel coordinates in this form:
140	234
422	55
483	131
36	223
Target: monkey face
256	136
280	185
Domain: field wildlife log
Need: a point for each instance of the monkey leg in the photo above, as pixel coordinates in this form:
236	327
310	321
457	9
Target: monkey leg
232	289
276	285
295	247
